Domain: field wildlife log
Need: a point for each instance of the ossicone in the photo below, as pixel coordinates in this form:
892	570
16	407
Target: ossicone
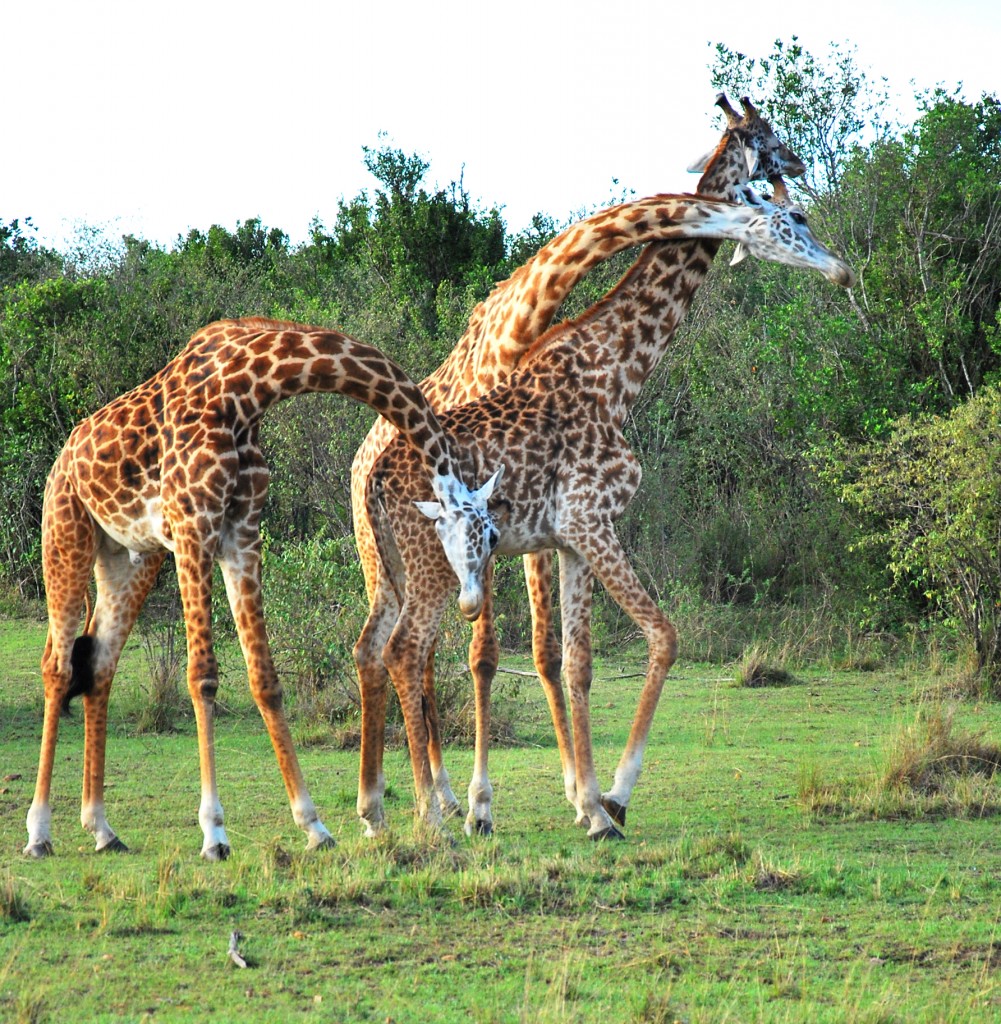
732	117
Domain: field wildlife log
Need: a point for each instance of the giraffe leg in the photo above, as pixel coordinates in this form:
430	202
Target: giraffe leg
373	680
122	587
69	544
611	566
242	575
484	654
548	659
194	557
442	783
405	656
576	583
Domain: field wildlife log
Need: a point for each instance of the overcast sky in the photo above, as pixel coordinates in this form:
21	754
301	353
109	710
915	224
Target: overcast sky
151	119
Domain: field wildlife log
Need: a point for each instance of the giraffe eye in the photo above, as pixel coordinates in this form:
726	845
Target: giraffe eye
797	217
494	539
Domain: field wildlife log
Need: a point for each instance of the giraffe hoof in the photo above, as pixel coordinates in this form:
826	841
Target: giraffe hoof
483	827
218	852
616	811
326	843
113	845
607	833
39	850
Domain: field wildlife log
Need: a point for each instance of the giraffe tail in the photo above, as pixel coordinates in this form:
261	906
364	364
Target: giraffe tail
81	662
382	528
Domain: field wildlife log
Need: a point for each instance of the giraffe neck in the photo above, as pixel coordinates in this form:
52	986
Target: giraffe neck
634	324
519	310
638	320
252	364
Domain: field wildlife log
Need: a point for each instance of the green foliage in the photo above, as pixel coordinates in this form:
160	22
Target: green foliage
20	257
822	108
930	498
312	637
419	242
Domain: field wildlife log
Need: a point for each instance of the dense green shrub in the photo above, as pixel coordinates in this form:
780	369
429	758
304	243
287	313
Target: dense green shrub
929	496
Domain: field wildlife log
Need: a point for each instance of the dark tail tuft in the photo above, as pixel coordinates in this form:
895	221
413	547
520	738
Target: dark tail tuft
82	663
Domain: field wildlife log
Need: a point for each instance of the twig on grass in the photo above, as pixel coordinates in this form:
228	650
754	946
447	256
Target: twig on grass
234	953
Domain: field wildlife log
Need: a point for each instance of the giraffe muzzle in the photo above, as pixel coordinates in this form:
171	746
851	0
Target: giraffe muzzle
471	602
840	273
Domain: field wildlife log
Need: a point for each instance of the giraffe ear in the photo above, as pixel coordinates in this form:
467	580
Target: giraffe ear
432	509
740	254
488	488
751	157
699	166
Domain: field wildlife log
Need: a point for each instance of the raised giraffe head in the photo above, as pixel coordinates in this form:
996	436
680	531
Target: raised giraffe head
779	231
750	141
467	533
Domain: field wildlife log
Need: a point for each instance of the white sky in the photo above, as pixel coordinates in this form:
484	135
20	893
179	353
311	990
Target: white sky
151	119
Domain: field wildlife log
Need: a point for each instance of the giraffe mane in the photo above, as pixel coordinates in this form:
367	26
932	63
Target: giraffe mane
264	323
556	331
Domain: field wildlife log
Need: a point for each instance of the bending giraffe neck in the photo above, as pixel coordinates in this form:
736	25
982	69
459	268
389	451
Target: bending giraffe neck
637	320
505	325
256	363
509	322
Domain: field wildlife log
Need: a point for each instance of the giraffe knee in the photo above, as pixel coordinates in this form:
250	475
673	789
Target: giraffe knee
664	644
549	665
269	696
206	690
400	659
485	668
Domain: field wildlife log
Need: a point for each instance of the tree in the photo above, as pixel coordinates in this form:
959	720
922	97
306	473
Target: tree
929	496
427	247
20	256
824	109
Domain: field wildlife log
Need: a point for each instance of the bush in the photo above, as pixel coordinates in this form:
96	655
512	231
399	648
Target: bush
930	496
314	603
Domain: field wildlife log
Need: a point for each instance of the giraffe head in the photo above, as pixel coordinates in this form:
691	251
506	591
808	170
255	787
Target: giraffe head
467	533
758	153
777	230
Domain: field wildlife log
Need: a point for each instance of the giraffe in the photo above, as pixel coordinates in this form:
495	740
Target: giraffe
501	329
555	425
175	465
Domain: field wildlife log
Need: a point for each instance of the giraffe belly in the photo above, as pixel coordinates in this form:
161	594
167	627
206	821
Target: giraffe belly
140	533
523	536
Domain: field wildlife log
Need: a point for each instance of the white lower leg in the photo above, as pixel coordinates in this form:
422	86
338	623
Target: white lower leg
590	811
481	793
39	829
305	816
370	808
626	775
429	808
93	820
570	783
215	845
442	783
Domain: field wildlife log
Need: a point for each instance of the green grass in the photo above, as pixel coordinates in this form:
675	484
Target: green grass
731	900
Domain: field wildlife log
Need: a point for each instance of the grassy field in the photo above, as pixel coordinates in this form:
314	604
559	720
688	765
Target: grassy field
758	881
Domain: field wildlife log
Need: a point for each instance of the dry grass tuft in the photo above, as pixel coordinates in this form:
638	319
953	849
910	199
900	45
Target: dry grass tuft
769	877
931	768
758	668
930	756
13	906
